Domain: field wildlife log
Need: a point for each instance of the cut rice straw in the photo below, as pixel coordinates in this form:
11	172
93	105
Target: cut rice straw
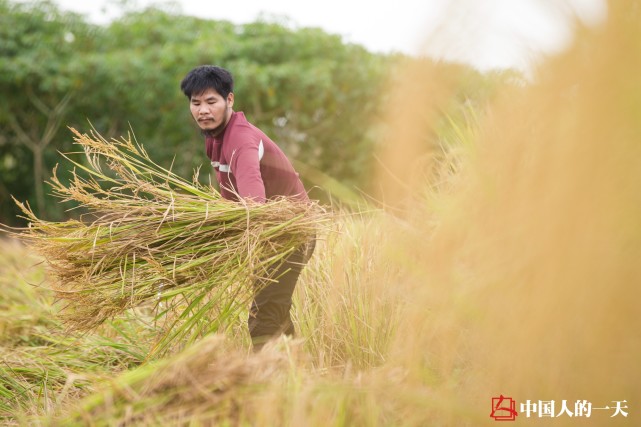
151	237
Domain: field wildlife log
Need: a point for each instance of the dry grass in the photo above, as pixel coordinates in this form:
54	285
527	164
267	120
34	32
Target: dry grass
43	368
206	384
344	306
528	286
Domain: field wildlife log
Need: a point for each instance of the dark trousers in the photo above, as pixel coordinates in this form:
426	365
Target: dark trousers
269	315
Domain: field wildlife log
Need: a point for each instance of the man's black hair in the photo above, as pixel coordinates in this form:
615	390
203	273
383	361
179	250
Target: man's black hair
206	77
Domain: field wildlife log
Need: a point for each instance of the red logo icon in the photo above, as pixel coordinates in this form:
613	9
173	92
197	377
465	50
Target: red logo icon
503	408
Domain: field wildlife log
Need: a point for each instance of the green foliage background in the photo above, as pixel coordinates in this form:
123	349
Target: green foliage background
318	97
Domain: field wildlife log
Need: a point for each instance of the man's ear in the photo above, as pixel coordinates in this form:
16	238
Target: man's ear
230	99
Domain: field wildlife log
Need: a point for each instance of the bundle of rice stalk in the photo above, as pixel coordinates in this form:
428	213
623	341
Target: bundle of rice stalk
152	237
35	379
209	383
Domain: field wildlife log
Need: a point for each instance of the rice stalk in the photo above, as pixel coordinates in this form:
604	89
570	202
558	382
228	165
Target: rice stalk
42	368
36	379
208	383
346	306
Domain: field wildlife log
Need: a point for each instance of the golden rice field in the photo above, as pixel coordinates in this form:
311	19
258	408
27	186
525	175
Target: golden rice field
517	275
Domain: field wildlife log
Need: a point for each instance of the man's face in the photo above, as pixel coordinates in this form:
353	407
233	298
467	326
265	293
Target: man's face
211	111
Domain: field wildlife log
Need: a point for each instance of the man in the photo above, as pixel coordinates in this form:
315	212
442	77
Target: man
248	165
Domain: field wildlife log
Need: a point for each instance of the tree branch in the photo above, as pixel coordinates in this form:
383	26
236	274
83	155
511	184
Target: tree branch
21	134
41	106
54	119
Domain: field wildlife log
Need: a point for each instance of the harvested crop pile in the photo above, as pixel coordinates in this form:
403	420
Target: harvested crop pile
206	384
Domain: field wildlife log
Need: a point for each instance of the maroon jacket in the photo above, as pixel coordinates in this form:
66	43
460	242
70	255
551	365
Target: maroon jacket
251	165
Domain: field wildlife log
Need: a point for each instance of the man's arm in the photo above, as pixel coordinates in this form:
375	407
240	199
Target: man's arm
245	166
